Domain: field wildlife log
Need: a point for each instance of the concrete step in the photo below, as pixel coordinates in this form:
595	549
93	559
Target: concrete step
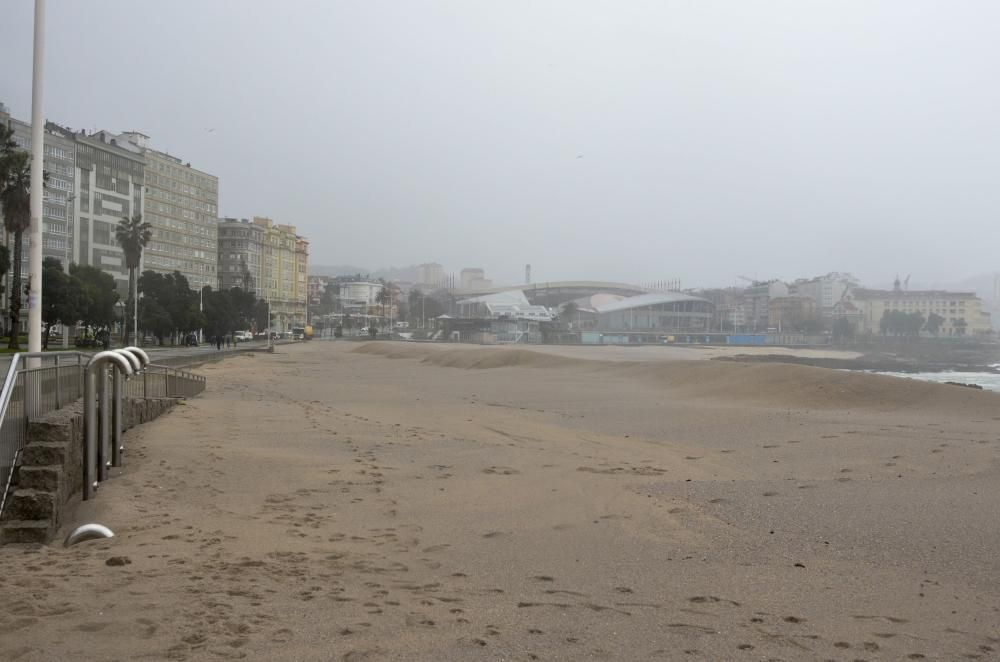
44	453
28	504
26	531
50	430
44	479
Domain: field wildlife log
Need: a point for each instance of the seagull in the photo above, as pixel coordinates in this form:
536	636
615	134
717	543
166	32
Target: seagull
579	156
210	130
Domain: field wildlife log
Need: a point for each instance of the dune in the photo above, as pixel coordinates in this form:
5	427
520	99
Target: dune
768	384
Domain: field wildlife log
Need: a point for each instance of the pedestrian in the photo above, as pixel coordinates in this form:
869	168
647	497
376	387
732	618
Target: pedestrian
227	341
218	342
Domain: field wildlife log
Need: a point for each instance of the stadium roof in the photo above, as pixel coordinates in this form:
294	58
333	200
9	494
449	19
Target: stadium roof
643	300
514	297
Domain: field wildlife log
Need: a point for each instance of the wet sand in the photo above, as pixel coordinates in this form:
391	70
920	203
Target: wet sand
457	503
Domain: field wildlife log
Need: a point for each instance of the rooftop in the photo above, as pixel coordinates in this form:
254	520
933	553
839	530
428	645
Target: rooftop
643	300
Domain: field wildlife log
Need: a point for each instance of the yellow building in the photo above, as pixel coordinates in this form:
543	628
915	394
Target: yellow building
283	253
962	311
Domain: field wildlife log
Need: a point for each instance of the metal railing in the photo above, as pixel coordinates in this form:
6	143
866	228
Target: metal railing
28	393
160	381
58	380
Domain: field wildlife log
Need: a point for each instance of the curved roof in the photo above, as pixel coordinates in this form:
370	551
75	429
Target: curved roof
651	299
594	285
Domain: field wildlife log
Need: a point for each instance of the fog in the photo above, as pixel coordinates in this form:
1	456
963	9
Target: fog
605	140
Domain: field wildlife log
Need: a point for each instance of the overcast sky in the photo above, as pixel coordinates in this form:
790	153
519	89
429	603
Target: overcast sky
617	140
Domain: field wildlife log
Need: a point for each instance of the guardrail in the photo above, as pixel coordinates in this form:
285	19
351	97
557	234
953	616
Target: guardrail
58	380
32	392
160	381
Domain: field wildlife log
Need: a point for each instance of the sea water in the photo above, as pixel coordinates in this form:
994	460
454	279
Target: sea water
988	380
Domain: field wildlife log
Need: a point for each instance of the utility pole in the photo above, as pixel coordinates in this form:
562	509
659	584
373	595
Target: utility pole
37	168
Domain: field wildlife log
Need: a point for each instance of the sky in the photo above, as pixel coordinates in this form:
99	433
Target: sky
631	141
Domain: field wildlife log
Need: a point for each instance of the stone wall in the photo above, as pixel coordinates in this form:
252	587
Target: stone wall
51	471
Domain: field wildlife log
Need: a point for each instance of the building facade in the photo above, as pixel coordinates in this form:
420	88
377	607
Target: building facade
109	178
300	291
826	291
240	245
962	311
668	312
430	276
60	189
282	251
182	205
793	313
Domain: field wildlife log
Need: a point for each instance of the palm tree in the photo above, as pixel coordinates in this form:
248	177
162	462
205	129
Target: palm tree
15	198
132	234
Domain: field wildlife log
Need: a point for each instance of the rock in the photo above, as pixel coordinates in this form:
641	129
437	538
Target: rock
118	560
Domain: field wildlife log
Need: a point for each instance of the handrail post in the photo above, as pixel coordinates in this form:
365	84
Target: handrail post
117	449
103	459
95	384
90	423
58	385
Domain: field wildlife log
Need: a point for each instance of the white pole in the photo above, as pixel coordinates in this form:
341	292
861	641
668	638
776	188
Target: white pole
37	163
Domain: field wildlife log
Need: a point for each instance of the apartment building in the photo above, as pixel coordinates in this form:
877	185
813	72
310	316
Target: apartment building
60	191
240	248
283	253
109	179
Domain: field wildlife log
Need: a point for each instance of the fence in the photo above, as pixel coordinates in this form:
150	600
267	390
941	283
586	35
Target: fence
28	393
58	380
160	381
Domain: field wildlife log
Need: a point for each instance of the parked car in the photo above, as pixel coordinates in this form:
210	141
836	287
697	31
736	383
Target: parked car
191	340
243	336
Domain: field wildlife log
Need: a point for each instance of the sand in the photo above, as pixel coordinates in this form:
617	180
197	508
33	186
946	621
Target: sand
328	503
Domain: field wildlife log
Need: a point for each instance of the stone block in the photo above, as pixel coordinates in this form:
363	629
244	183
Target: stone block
26	504
45	479
43	453
20	531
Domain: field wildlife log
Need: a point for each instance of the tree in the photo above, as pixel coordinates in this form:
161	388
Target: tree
61	297
98	296
383	297
175	298
934	322
132	234
15	198
842	329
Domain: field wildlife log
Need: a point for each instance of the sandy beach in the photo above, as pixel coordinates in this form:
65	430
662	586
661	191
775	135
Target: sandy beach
388	501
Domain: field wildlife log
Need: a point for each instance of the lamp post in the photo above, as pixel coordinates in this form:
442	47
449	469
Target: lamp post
37	163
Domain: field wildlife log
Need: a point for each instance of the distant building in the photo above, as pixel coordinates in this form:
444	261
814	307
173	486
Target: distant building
284	265
512	304
182	205
474	278
755	301
357	297
240	246
826	290
793	313
430	276
666	312
962	311
317	288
